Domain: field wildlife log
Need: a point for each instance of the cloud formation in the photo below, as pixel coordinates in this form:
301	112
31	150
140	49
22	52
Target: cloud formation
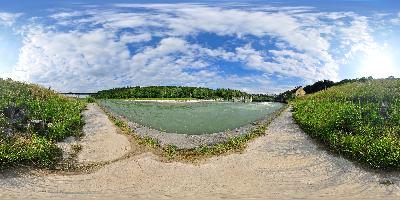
159	44
8	19
396	20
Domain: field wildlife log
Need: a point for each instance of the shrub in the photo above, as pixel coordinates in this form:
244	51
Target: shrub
359	120
47	117
90	99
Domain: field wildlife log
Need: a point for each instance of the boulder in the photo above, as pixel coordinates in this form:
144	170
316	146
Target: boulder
16	114
384	109
38	126
17	117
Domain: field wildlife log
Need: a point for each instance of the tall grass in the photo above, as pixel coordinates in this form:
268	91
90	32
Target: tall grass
360	120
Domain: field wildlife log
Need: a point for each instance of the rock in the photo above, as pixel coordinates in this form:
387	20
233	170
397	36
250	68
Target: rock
39	126
6	132
16	114
17	117
384	109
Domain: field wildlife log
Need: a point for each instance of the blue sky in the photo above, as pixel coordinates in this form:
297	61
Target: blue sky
255	46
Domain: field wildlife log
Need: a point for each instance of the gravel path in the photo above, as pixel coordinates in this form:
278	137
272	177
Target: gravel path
100	142
284	164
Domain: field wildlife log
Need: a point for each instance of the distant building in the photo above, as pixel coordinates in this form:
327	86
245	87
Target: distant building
300	92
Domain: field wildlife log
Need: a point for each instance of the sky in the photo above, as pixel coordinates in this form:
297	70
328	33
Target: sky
255	46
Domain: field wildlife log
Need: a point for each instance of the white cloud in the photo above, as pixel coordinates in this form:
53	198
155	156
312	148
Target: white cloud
133	38
288	63
8	19
70	60
66	15
93	53
396	20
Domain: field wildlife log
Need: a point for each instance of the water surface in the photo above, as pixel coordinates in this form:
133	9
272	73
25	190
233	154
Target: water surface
191	118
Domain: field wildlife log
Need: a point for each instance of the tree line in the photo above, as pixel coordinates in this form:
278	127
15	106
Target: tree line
221	93
286	96
170	92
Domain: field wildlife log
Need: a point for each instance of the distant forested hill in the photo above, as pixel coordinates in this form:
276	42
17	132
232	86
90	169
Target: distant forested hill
221	93
176	92
286	96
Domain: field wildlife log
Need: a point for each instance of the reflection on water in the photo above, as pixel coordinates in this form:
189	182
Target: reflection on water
191	118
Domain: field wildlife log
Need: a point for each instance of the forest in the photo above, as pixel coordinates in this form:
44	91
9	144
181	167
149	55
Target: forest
177	92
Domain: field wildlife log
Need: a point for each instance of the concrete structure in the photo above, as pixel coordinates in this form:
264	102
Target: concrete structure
245	99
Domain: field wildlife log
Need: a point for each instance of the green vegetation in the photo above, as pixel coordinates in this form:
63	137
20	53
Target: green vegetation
263	98
168	92
31	120
359	119
325	84
176	93
318	86
289	95
237	143
90	99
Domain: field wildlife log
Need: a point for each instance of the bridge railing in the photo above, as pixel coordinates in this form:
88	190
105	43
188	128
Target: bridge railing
77	94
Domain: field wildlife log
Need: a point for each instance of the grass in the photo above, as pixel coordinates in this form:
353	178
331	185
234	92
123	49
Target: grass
171	152
233	144
47	117
359	120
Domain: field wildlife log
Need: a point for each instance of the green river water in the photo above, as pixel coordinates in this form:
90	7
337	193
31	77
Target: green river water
191	118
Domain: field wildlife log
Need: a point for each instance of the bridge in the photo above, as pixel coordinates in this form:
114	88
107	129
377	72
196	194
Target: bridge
77	94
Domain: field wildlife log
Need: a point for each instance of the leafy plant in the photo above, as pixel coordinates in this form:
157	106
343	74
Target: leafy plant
90	99
358	119
31	120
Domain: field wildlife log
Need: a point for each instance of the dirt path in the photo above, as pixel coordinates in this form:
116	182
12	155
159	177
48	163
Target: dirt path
284	164
100	142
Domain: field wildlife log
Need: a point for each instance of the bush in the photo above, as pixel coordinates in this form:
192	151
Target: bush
47	117
90	99
359	120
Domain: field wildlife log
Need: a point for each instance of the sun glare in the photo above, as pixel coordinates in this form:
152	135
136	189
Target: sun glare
378	64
